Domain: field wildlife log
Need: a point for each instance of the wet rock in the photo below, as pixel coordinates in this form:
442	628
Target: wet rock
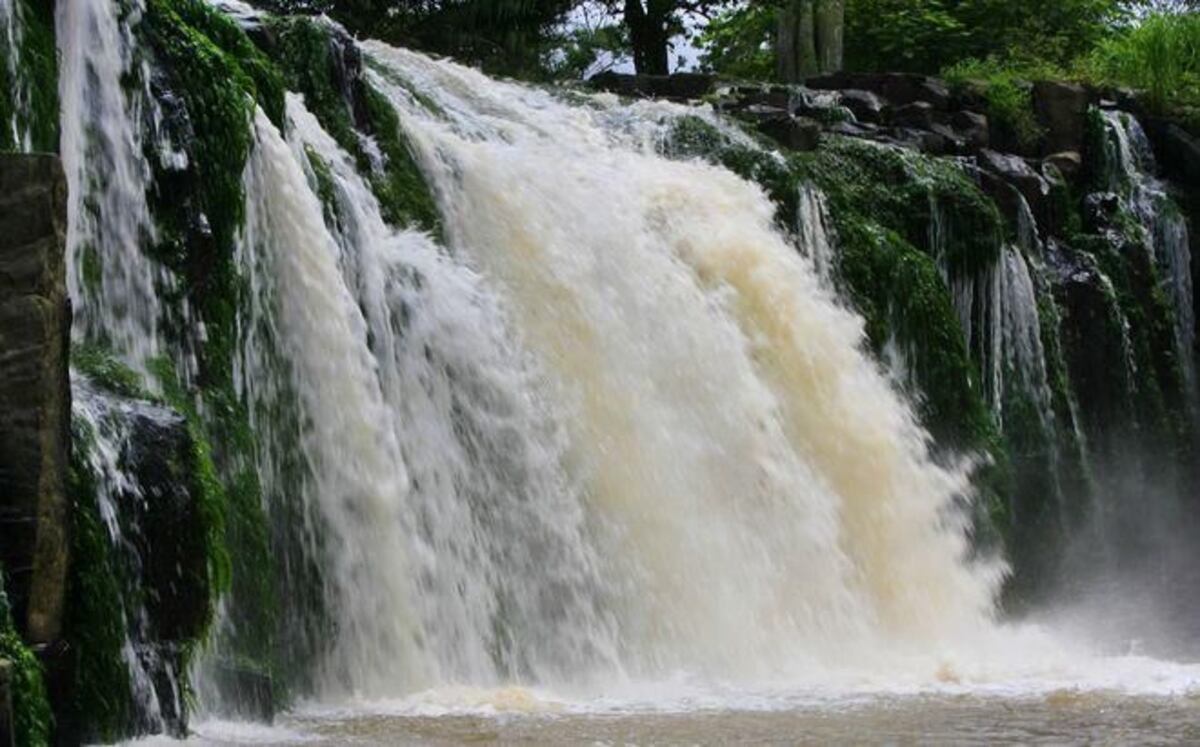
35	399
1017	172
917	115
794	133
1178	151
971	127
677	87
1061	110
924	141
7	738
864	105
898	88
1100	211
247	693
1069	164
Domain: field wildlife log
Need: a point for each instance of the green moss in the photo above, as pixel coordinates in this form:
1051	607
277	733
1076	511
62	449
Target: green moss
326	188
107	372
305	50
95	624
32	720
32	98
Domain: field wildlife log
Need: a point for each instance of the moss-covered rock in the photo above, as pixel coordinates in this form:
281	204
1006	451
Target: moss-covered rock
29	93
32	719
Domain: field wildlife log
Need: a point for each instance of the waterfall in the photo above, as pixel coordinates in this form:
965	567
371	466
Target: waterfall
1133	173
105	433
763	493
10	35
813	229
114	285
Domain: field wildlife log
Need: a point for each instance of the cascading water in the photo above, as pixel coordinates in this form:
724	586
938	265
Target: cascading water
717	403
114	285
456	539
813	239
10	32
105	436
1133	173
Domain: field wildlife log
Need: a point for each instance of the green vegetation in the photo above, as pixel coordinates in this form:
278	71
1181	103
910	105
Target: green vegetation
1160	55
306	50
95	623
29	94
32	720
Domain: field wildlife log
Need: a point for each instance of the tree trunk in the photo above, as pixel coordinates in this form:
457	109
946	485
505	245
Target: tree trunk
830	31
810	38
796	41
648	35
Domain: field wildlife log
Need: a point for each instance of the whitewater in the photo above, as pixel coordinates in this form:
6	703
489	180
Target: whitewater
604	444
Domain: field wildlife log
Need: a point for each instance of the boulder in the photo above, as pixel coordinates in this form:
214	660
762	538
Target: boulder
897	88
1068	163
864	105
917	115
677	87
794	133
971	127
7	738
1177	150
35	398
1061	110
1017	172
247	693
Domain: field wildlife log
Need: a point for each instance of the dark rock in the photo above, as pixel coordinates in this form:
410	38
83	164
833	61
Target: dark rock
677	87
1177	150
759	113
776	97
7	738
864	130
917	115
1069	164
1093	345
35	399
1017	172
864	105
925	141
953	142
794	133
246	693
897	88
971	127
1061	109
1100	211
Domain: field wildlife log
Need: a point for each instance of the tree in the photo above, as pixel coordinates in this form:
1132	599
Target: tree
809	39
651	24
505	36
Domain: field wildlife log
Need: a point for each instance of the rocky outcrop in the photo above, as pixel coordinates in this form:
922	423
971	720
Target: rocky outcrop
1061	110
6	711
34	391
680	87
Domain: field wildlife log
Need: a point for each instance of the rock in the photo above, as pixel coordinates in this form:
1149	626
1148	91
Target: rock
897	88
1100	211
1068	163
954	142
917	115
246	693
35	398
677	87
1178	151
7	738
864	105
925	141
794	133
1061	110
971	127
1014	170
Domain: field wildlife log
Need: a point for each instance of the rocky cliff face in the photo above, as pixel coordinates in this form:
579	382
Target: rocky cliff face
35	399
